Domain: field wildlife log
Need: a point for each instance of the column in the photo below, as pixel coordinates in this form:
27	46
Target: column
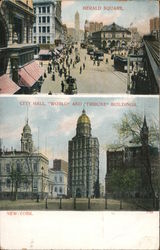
25	32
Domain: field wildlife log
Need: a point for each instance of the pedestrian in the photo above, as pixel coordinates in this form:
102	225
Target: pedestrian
45	75
84	66
62	86
53	77
94	62
80	70
69	72
85	58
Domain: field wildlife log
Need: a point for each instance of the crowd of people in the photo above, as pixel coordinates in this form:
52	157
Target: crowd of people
62	64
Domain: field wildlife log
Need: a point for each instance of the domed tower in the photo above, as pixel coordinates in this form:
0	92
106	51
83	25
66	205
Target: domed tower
26	139
83	157
83	125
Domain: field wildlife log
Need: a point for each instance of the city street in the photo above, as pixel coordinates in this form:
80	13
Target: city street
93	79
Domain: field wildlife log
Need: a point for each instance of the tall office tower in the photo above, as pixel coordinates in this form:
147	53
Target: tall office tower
83	152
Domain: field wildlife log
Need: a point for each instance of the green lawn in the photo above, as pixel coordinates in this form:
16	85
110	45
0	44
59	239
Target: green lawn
68	204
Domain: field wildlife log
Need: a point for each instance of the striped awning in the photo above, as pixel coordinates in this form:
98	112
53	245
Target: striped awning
30	74
7	86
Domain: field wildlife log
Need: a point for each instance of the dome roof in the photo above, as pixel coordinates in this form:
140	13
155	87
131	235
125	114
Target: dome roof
83	118
27	128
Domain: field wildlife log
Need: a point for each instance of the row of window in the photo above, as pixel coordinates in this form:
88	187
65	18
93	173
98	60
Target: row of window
60	179
56	189
8	168
42	29
44	19
42	39
42	9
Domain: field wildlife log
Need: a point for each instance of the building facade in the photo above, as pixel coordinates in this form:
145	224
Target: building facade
83	155
60	169
17	49
111	36
155	26
47	26
135	157
23	174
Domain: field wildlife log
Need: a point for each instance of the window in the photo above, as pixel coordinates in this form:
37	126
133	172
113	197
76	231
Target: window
48	29
39	9
34	39
18	167
35	184
39	19
48	19
39	39
8	183
8	168
35	167
34	29
55	178
39	29
43	9
55	189
60	190
43	39
34	10
60	178
44	29
48	39
48	9
43	19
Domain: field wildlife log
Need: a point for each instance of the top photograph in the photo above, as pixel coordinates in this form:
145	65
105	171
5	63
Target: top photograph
79	47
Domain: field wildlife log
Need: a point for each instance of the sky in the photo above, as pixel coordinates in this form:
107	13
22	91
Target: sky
136	13
53	121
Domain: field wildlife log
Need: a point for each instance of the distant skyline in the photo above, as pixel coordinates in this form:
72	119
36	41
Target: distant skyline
56	125
133	13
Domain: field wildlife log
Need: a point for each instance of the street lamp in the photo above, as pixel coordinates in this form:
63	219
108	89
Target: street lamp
42	168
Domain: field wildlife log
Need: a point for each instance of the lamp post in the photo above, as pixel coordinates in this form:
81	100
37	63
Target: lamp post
42	183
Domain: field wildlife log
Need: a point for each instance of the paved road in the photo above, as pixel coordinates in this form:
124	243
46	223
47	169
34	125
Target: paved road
94	79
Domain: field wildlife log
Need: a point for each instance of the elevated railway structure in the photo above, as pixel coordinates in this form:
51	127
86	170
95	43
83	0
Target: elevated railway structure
147	81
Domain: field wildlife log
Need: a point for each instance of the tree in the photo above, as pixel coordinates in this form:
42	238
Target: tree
130	128
123	182
18	177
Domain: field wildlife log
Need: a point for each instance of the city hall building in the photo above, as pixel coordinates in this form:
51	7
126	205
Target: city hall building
110	36
83	166
23	173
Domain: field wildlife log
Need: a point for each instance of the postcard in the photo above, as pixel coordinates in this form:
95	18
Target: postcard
67	155
70	47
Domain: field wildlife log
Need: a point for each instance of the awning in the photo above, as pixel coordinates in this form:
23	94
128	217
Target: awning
30	74
7	86
44	52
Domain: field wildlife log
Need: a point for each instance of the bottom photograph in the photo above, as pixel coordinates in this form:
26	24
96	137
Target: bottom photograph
79	153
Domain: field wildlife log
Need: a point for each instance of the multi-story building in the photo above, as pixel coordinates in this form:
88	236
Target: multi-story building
110	36
155	26
83	155
16	48
47	26
77	27
59	177
135	157
24	173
